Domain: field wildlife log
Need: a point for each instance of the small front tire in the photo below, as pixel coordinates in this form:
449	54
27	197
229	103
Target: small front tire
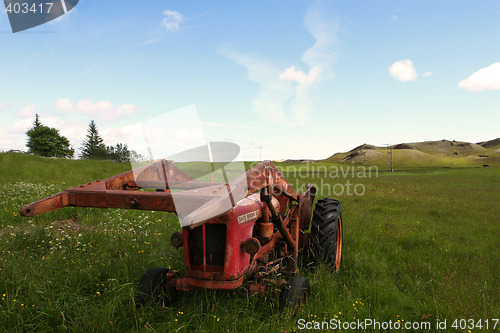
294	293
153	288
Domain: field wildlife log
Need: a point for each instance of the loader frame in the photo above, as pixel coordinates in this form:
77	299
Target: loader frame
277	231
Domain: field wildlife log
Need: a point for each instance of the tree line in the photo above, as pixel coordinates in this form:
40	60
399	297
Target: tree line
47	141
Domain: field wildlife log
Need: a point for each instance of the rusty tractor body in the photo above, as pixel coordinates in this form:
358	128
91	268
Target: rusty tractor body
258	235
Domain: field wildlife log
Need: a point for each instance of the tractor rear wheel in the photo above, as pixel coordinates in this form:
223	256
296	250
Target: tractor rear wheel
326	232
153	287
294	293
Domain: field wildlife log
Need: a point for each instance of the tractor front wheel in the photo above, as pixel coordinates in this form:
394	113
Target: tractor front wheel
326	232
153	287
294	293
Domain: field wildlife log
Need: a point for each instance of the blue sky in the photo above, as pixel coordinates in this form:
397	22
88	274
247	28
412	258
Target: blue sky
301	79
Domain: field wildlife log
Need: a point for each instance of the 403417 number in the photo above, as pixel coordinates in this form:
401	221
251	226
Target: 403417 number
471	324
25	8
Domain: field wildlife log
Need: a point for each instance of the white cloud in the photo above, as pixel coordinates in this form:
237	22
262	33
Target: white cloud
299	76
21	126
100	109
4	107
162	136
427	74
324	31
126	109
93	109
273	93
188	136
171	20
486	78
403	70
14	137
232	126
65	105
75	130
9	140
27	111
285	94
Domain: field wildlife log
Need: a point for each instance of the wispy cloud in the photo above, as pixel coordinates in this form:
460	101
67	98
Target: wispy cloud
14	136
486	78
403	70
65	105
9	140
231	126
172	20
100	109
150	41
273	93
4	107
397	13
212	124
27	111
285	93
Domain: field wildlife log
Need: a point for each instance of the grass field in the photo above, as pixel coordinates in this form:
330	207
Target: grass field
419	246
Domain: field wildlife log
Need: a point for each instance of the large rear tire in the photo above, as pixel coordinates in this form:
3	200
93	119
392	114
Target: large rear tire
326	232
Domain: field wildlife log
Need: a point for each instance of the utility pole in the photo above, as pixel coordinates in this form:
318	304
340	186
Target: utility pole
260	153
389	158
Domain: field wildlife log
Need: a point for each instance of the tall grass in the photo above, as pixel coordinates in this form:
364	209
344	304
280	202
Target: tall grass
418	246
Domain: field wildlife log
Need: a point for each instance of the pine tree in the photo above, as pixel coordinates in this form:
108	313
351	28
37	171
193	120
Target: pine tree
119	153
37	122
46	141
93	146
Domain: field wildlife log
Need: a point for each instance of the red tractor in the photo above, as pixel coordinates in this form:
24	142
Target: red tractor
245	243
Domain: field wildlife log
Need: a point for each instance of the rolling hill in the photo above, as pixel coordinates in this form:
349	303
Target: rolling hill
428	153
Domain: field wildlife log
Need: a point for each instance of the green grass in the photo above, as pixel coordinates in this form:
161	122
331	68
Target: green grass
418	245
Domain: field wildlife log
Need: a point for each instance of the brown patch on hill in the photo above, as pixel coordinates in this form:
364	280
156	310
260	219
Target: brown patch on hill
362	156
402	146
364	146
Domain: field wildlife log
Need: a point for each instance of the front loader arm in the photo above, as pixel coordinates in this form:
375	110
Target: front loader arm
196	205
53	202
121	191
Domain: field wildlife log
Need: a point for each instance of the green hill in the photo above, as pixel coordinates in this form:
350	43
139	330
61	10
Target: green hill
442	153
15	167
492	144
